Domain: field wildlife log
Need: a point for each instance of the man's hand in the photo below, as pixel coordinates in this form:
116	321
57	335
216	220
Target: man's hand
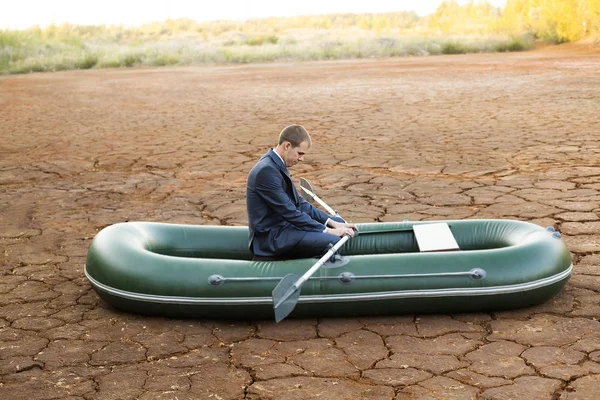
340	229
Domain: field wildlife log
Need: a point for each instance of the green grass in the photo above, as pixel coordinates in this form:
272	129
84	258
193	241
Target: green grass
73	47
470	27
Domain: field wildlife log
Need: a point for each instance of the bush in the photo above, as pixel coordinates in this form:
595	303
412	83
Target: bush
259	40
453	47
513	44
88	61
130	59
108	63
28	66
161	60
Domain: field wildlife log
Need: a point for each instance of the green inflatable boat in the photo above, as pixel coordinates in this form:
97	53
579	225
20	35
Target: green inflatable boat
208	272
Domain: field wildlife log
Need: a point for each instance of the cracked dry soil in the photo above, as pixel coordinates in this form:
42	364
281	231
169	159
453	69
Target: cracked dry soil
452	137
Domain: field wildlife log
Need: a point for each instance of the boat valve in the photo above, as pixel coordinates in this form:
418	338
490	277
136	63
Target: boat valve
216	280
346	277
478	273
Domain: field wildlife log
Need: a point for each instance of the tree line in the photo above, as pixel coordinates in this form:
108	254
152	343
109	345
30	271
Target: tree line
471	27
552	21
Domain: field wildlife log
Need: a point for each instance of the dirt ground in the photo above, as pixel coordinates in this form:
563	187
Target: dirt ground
448	137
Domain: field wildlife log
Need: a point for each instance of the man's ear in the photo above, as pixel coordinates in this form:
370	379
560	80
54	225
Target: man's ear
287	145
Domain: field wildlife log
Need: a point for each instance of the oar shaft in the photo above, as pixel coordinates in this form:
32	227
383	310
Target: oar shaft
287	292
321	261
316	198
330	210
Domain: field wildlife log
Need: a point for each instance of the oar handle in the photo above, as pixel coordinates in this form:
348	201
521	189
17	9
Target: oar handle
321	261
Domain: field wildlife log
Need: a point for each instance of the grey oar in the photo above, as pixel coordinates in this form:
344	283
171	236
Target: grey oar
287	292
307	189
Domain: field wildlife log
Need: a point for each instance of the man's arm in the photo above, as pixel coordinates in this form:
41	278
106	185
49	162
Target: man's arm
337	228
313	211
269	186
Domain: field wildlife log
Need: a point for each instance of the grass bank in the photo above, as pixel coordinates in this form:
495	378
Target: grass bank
468	27
25	51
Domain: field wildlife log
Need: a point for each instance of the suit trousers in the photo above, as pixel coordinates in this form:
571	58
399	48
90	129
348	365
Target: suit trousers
313	244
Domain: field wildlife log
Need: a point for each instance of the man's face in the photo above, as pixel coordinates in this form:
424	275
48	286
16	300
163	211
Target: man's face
293	155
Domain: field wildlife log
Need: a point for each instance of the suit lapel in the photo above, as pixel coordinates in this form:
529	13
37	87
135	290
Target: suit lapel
286	173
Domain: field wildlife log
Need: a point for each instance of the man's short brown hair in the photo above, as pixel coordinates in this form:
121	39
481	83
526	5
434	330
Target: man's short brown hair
295	134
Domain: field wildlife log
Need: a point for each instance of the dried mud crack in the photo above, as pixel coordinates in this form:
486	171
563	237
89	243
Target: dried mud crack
453	137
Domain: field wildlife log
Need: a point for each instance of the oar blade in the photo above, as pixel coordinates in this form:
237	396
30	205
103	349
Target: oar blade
285	296
305	185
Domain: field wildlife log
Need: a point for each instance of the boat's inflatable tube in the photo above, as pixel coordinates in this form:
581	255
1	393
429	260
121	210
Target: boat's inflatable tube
207	271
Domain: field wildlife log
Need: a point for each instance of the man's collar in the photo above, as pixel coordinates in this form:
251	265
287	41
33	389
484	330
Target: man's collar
281	158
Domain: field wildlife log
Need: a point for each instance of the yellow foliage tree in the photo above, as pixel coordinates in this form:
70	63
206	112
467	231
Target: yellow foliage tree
553	20
591	15
473	18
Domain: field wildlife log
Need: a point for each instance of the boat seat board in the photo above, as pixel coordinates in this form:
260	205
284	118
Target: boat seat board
435	237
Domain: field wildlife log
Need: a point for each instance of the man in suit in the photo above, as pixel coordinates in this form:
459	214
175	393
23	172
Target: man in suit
282	224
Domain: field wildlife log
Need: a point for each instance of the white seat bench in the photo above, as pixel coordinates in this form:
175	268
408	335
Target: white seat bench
435	237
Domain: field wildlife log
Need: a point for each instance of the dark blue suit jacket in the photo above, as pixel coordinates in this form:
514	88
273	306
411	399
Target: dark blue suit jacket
278	217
